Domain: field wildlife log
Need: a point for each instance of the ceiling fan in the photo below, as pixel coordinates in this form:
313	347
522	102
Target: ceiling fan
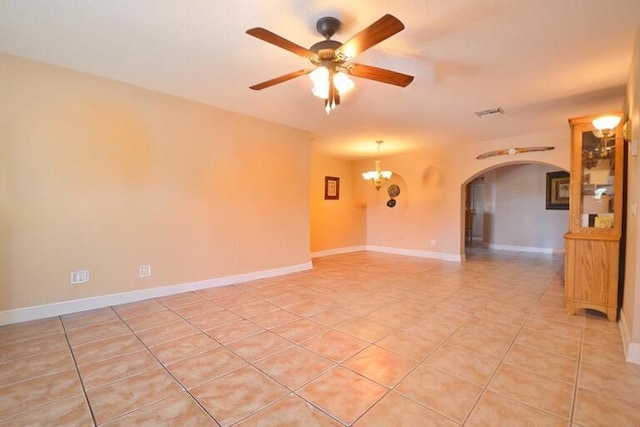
512	151
330	75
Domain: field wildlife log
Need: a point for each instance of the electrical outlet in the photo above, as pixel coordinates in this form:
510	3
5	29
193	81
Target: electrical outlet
80	276
145	270
433	242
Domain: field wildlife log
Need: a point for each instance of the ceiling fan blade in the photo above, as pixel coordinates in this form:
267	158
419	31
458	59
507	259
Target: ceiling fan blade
379	74
280	79
380	30
269	37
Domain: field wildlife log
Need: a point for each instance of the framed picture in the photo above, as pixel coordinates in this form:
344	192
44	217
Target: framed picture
558	190
331	188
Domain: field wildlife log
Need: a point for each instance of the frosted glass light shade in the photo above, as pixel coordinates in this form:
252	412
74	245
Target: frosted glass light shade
606	122
320	79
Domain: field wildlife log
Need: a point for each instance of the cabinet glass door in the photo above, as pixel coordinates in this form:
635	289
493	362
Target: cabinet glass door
598	179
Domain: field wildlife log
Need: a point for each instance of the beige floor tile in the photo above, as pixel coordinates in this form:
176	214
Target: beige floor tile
236	300
290	411
611	382
294	366
300	330
463	364
549	343
409	345
335	345
561	315
89	317
192	310
35	366
97	332
17	332
569	332
441	392
70	412
177	410
106	371
106	348
396	410
235	396
151	320
307	308
174	301
234	331
274	318
534	390
202	367
496	410
113	400
32	347
214	319
168	332
611	357
332	317
382	366
172	351
504	316
611	338
343	394
365	329
504	331
430	328
220	292
256	347
138	308
37	391
482	344
254	308
592	408
543	363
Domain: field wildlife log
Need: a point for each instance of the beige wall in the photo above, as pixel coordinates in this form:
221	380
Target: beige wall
519	216
430	206
335	224
104	176
631	301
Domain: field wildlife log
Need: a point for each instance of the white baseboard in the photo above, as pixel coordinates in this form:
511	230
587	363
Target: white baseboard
74	306
631	349
416	252
338	251
515	248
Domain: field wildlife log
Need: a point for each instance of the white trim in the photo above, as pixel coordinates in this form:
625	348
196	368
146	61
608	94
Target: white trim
514	248
338	251
631	349
416	253
73	306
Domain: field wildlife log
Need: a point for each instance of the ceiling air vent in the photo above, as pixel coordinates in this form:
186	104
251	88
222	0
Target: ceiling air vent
490	112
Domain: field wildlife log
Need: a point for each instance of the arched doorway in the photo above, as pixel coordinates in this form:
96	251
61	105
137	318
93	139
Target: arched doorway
505	209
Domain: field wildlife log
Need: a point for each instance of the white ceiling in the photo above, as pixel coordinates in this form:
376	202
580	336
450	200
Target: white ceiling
542	61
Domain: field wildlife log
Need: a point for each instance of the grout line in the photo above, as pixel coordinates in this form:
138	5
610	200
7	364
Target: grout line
75	363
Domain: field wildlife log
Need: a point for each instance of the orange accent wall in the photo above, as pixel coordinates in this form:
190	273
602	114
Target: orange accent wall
104	176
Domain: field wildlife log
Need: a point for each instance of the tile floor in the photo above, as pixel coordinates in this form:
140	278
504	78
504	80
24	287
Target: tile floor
364	339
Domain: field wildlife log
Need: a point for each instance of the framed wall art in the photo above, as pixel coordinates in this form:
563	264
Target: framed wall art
558	190
331	188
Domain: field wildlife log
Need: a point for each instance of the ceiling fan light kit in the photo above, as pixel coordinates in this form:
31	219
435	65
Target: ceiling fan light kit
331	76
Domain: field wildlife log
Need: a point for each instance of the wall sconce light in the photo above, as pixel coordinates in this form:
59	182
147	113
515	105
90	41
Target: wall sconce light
605	126
377	176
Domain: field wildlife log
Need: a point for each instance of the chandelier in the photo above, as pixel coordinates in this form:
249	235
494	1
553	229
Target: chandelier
377	176
330	84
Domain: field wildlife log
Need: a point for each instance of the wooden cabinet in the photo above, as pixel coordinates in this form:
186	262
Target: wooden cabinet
592	245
